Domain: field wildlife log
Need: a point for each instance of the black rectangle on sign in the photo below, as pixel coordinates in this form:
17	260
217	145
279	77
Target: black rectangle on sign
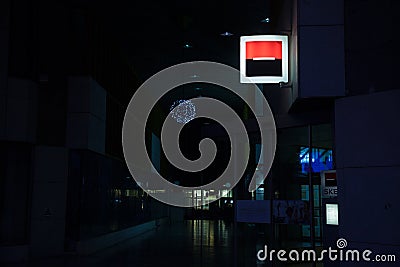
263	67
330	179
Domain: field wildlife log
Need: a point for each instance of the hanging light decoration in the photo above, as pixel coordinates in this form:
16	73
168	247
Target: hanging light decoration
183	111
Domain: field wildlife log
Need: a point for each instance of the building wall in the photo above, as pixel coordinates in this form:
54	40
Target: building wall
86	116
372	39
64	87
321	48
368	167
367	129
49	196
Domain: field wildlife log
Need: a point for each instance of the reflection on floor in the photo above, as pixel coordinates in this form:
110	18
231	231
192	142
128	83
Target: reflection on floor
190	243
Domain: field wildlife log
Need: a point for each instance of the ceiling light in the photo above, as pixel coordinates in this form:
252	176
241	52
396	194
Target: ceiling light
226	34
266	20
187	45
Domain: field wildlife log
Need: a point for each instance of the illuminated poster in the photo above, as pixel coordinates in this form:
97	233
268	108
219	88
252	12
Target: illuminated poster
332	214
291	211
264	59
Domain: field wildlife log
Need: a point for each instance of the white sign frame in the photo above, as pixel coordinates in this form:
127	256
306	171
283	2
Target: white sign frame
265	79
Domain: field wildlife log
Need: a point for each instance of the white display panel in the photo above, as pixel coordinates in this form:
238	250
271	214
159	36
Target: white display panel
332	214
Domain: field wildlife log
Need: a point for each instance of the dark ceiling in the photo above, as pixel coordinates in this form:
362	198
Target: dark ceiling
153	34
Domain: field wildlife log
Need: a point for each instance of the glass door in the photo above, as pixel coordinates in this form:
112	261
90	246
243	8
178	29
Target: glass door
305	195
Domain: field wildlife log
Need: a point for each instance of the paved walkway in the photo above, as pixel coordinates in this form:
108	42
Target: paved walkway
190	243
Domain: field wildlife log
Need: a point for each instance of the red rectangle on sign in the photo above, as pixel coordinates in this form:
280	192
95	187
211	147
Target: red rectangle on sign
330	179
263	49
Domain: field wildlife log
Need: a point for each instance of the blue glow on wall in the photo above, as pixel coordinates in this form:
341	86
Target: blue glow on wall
321	159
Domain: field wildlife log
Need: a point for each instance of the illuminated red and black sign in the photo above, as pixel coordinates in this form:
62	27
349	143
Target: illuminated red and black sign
263	58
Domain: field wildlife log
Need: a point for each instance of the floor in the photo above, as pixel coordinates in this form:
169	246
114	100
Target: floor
190	243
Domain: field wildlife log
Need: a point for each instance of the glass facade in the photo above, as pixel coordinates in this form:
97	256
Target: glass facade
109	199
291	176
